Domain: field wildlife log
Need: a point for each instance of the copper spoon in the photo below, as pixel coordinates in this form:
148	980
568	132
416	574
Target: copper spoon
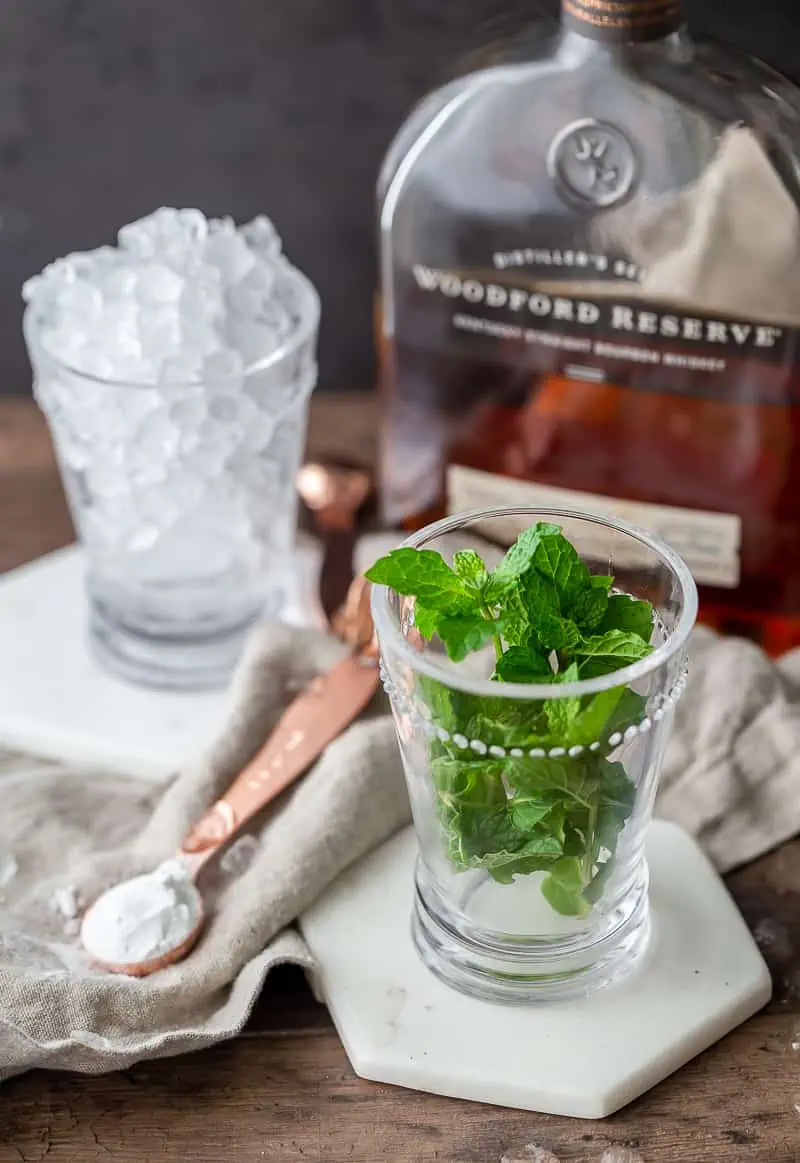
313	720
335	494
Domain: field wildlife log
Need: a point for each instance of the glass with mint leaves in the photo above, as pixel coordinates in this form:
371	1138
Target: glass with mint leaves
532	659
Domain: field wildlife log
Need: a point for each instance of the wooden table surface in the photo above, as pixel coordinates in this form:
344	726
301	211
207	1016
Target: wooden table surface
284	1090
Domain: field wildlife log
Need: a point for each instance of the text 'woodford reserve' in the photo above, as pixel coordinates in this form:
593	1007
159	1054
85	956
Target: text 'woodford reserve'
600	314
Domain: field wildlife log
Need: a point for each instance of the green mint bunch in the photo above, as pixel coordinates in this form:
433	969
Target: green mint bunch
550	621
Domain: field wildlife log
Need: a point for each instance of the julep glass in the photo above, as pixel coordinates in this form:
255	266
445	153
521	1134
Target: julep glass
484	918
183	497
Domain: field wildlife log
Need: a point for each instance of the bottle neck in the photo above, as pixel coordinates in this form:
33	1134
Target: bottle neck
622	21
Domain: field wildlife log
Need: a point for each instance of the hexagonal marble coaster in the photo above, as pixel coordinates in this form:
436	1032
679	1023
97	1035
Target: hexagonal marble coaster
701	976
56	702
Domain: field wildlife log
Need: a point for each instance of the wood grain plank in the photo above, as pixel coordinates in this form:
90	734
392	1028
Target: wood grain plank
293	1097
33	514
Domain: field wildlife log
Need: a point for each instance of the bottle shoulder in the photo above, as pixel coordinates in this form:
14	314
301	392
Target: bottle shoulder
485	144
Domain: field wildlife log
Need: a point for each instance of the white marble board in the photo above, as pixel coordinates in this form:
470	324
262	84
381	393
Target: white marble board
702	975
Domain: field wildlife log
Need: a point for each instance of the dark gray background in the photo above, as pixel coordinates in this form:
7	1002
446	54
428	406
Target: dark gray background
109	108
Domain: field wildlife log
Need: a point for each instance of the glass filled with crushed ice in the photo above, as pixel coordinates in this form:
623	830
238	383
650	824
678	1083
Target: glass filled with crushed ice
175	371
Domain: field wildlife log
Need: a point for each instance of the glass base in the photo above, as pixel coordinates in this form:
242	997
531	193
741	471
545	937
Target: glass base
517	970
166	661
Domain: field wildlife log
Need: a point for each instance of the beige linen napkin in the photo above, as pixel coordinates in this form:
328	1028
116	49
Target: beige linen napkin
732	777
70	828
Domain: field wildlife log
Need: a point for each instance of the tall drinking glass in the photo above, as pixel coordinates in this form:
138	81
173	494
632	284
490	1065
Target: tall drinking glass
183	497
531	881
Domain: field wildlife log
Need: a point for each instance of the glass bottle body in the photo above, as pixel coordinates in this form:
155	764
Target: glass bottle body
538	331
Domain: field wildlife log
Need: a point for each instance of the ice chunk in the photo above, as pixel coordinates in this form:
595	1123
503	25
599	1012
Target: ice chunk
157	283
262	237
222	365
230	254
194	225
80	301
251	295
90	263
120	282
96	363
183	368
203	296
159	333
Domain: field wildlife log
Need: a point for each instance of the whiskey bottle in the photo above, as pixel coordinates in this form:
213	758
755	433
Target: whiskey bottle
590	297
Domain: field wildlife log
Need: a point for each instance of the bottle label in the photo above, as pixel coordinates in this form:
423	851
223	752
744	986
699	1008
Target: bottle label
584	334
622	20
708	542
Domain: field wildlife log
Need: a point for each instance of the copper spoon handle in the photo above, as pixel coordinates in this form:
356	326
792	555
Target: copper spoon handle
315	718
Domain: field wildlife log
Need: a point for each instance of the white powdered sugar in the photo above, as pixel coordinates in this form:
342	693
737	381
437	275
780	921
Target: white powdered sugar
65	902
8	868
181	299
144	918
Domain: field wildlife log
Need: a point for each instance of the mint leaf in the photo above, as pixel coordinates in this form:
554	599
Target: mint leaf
563	713
617	798
596	886
617	795
573	780
608	652
516	624
428	614
552	632
441	701
426	619
539	597
419	573
561	716
474	811
589	607
520	556
508	723
563	888
471	569
556	560
529	813
569	674
523	664
463	634
535	855
595	718
629	709
628	614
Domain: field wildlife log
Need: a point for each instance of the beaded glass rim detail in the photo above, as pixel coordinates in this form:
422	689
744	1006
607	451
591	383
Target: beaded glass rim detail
420	715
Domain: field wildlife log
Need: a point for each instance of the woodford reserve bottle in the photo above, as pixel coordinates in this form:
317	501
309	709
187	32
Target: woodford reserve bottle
590	297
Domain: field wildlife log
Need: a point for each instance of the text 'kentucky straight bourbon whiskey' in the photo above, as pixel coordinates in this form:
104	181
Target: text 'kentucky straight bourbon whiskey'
590	298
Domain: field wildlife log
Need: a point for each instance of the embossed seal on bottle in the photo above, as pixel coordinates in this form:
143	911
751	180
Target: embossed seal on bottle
593	163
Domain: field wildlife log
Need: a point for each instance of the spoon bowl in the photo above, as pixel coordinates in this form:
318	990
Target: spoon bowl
168	957
154	964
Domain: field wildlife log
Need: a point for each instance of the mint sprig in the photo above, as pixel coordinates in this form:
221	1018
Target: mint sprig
550	621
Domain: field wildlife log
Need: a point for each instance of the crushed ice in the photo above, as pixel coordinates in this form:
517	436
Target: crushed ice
181	299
